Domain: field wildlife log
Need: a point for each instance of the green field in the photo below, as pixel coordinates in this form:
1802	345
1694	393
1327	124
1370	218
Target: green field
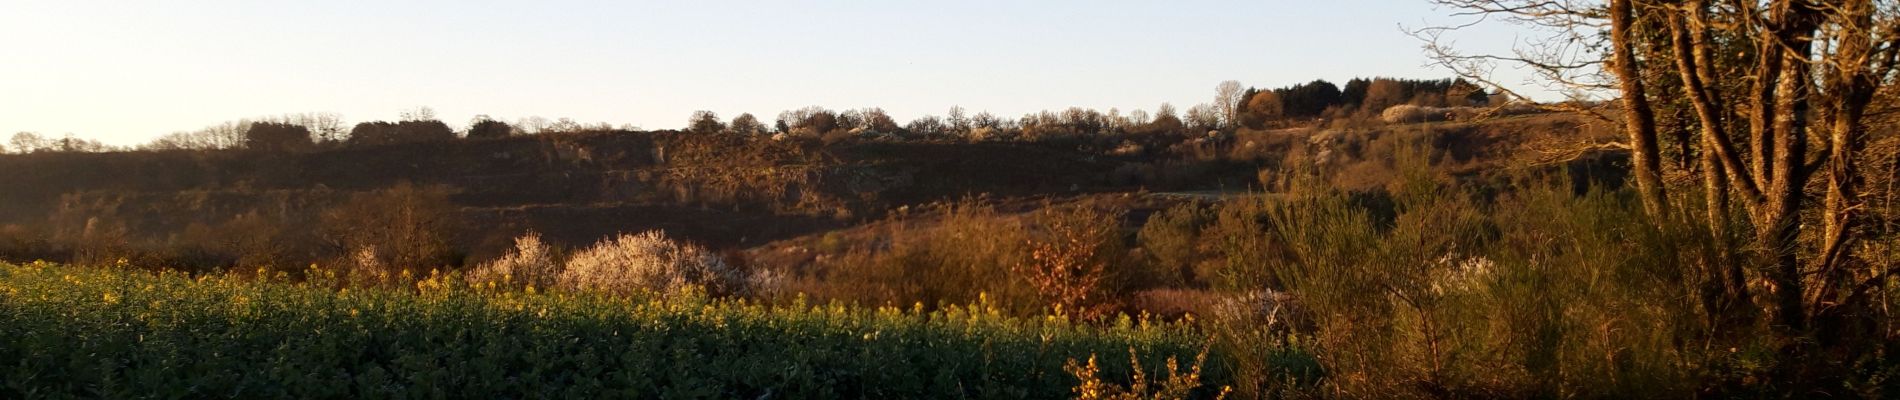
94	332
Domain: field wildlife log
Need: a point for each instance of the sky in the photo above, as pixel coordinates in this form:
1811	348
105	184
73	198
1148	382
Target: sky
125	72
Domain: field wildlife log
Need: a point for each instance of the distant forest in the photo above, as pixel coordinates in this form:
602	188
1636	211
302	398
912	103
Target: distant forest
1233	107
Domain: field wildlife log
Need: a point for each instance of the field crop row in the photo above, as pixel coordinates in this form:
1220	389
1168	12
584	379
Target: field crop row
91	332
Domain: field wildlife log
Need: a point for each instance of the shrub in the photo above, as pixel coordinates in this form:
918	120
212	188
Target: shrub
1241	249
1539	293
1407	113
257	240
388	231
530	264
22	243
649	261
1171	240
1075	256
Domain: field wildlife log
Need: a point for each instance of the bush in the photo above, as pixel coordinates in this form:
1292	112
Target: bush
390	231
1540	293
21	243
958	253
1407	114
1171	240
649	262
1076	260
530	264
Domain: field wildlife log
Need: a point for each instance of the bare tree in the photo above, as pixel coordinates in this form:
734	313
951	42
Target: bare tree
1811	69
959	123
532	125
1227	102
420	113
1165	110
29	142
324	127
927	126
1203	117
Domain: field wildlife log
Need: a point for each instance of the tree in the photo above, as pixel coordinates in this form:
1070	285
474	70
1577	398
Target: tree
809	121
1309	99
228	135
384	132
1463	93
277	137
984	119
74	144
404	227
1203	117
1638	115
928	125
1227	102
487	128
1165	121
420	113
875	120
1384	93
324	127
1354	94
1261	108
704	121
563	124
959	123
746	124
532	125
29	142
1810	71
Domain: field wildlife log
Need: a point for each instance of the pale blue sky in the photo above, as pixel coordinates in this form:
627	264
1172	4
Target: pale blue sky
127	71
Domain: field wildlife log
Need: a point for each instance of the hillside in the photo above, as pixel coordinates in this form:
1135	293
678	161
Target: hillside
726	191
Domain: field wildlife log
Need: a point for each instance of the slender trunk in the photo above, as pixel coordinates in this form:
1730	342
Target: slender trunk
1762	117
1688	56
1780	227
1639	117
1852	84
1710	105
1727	289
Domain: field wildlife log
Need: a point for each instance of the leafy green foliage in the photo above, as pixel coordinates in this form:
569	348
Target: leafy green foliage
92	332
